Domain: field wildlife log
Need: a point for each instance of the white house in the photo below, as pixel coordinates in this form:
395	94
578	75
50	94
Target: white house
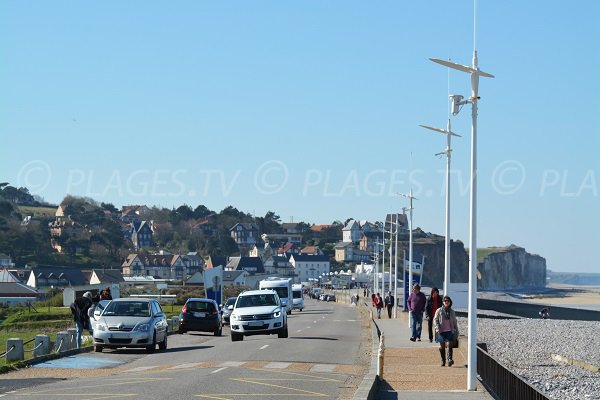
309	266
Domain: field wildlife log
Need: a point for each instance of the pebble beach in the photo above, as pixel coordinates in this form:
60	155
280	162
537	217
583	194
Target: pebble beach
526	347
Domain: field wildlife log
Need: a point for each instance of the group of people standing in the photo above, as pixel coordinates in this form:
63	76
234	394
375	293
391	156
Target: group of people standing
441	318
83	311
379	303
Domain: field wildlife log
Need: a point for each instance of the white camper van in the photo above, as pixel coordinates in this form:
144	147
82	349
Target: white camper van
283	287
297	297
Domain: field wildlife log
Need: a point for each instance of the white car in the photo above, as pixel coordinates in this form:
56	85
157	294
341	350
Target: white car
258	312
130	322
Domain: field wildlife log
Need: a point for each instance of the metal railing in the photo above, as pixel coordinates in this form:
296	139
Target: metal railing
501	382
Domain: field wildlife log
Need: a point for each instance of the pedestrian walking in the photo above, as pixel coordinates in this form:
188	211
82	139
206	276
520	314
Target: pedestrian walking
416	305
364	292
79	309
434	301
105	294
378	305
446	328
389	303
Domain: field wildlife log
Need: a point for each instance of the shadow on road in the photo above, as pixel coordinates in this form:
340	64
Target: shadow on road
312	338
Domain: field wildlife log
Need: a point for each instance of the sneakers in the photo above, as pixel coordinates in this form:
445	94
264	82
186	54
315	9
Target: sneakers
418	339
412	339
450	363
443	363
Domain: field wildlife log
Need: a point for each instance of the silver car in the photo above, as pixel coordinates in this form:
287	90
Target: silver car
131	322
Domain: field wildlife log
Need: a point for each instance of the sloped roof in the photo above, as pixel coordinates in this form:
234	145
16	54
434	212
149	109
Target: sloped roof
16	289
72	275
319	228
230	276
109	275
6	276
310	258
250	264
215	261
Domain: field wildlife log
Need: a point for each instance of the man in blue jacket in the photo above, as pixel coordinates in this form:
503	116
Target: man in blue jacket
416	305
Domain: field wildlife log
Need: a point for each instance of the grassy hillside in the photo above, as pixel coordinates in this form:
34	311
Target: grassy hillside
37	211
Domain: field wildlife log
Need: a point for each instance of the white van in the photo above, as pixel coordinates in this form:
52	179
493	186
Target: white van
283	287
297	297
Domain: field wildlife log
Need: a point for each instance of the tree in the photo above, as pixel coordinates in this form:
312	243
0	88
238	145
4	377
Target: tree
201	212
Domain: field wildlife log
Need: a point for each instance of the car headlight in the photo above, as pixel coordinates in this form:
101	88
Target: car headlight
235	317
277	314
101	327
142	327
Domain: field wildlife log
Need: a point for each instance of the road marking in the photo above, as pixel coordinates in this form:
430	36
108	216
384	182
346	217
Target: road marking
232	364
188	365
299	330
218	370
278	365
280	387
322	368
139	369
264	347
314	322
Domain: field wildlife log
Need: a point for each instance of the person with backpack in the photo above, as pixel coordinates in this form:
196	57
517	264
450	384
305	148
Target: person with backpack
79	309
378	304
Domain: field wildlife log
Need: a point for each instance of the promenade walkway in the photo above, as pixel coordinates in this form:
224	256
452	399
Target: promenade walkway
412	369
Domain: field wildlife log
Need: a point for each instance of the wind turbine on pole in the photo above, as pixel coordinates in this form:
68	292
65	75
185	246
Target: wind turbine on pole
457	103
448	132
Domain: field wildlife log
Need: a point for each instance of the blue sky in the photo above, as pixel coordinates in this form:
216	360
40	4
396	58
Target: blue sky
311	109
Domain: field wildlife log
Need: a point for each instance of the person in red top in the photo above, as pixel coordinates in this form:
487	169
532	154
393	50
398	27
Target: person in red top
378	305
433	303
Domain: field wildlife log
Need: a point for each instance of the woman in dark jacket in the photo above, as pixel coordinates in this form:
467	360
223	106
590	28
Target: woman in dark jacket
434	301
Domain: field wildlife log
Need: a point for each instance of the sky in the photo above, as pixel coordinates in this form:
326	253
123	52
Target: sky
311	109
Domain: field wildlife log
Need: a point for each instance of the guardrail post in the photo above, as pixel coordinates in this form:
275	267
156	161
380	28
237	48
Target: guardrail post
62	341
41	345
72	340
169	325
14	350
380	357
175	321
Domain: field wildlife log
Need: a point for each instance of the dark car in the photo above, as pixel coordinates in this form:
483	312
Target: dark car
225	311
200	315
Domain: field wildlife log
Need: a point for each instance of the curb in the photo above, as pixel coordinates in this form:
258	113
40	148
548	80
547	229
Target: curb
368	387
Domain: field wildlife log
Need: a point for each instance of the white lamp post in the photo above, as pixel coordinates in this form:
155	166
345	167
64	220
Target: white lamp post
410	198
457	103
448	132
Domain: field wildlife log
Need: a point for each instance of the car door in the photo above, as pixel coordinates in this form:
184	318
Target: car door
160	321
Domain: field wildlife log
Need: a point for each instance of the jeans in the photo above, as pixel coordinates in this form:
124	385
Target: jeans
417	323
79	327
379	312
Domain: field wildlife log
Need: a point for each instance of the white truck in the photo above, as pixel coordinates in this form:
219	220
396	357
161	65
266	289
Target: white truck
283	287
297	297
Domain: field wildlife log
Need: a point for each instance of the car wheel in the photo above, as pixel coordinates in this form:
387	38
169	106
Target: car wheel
283	333
163	345
301	310
152	347
236	337
98	349
181	331
219	331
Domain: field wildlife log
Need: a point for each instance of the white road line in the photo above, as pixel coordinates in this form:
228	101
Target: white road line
188	365
218	370
308	327
278	365
232	364
138	369
264	347
323	368
314	322
299	330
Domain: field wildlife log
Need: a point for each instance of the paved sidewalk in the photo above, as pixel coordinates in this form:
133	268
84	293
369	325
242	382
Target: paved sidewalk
412	369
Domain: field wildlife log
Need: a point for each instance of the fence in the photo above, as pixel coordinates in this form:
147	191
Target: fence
501	382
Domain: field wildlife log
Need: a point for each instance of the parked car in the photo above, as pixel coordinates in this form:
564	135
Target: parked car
200	314
131	322
258	312
330	297
100	306
225	312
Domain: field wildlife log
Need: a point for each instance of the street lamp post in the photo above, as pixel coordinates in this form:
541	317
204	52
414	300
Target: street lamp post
448	132
457	103
410	198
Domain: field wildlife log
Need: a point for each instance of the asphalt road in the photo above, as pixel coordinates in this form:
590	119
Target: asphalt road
322	358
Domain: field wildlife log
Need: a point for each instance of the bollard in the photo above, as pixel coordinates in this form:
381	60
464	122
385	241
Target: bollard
62	341
175	323
41	345
72	342
169	325
380	357
14	350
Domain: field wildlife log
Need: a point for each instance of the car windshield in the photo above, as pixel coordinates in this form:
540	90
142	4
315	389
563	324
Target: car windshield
296	294
127	309
257	300
231	301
